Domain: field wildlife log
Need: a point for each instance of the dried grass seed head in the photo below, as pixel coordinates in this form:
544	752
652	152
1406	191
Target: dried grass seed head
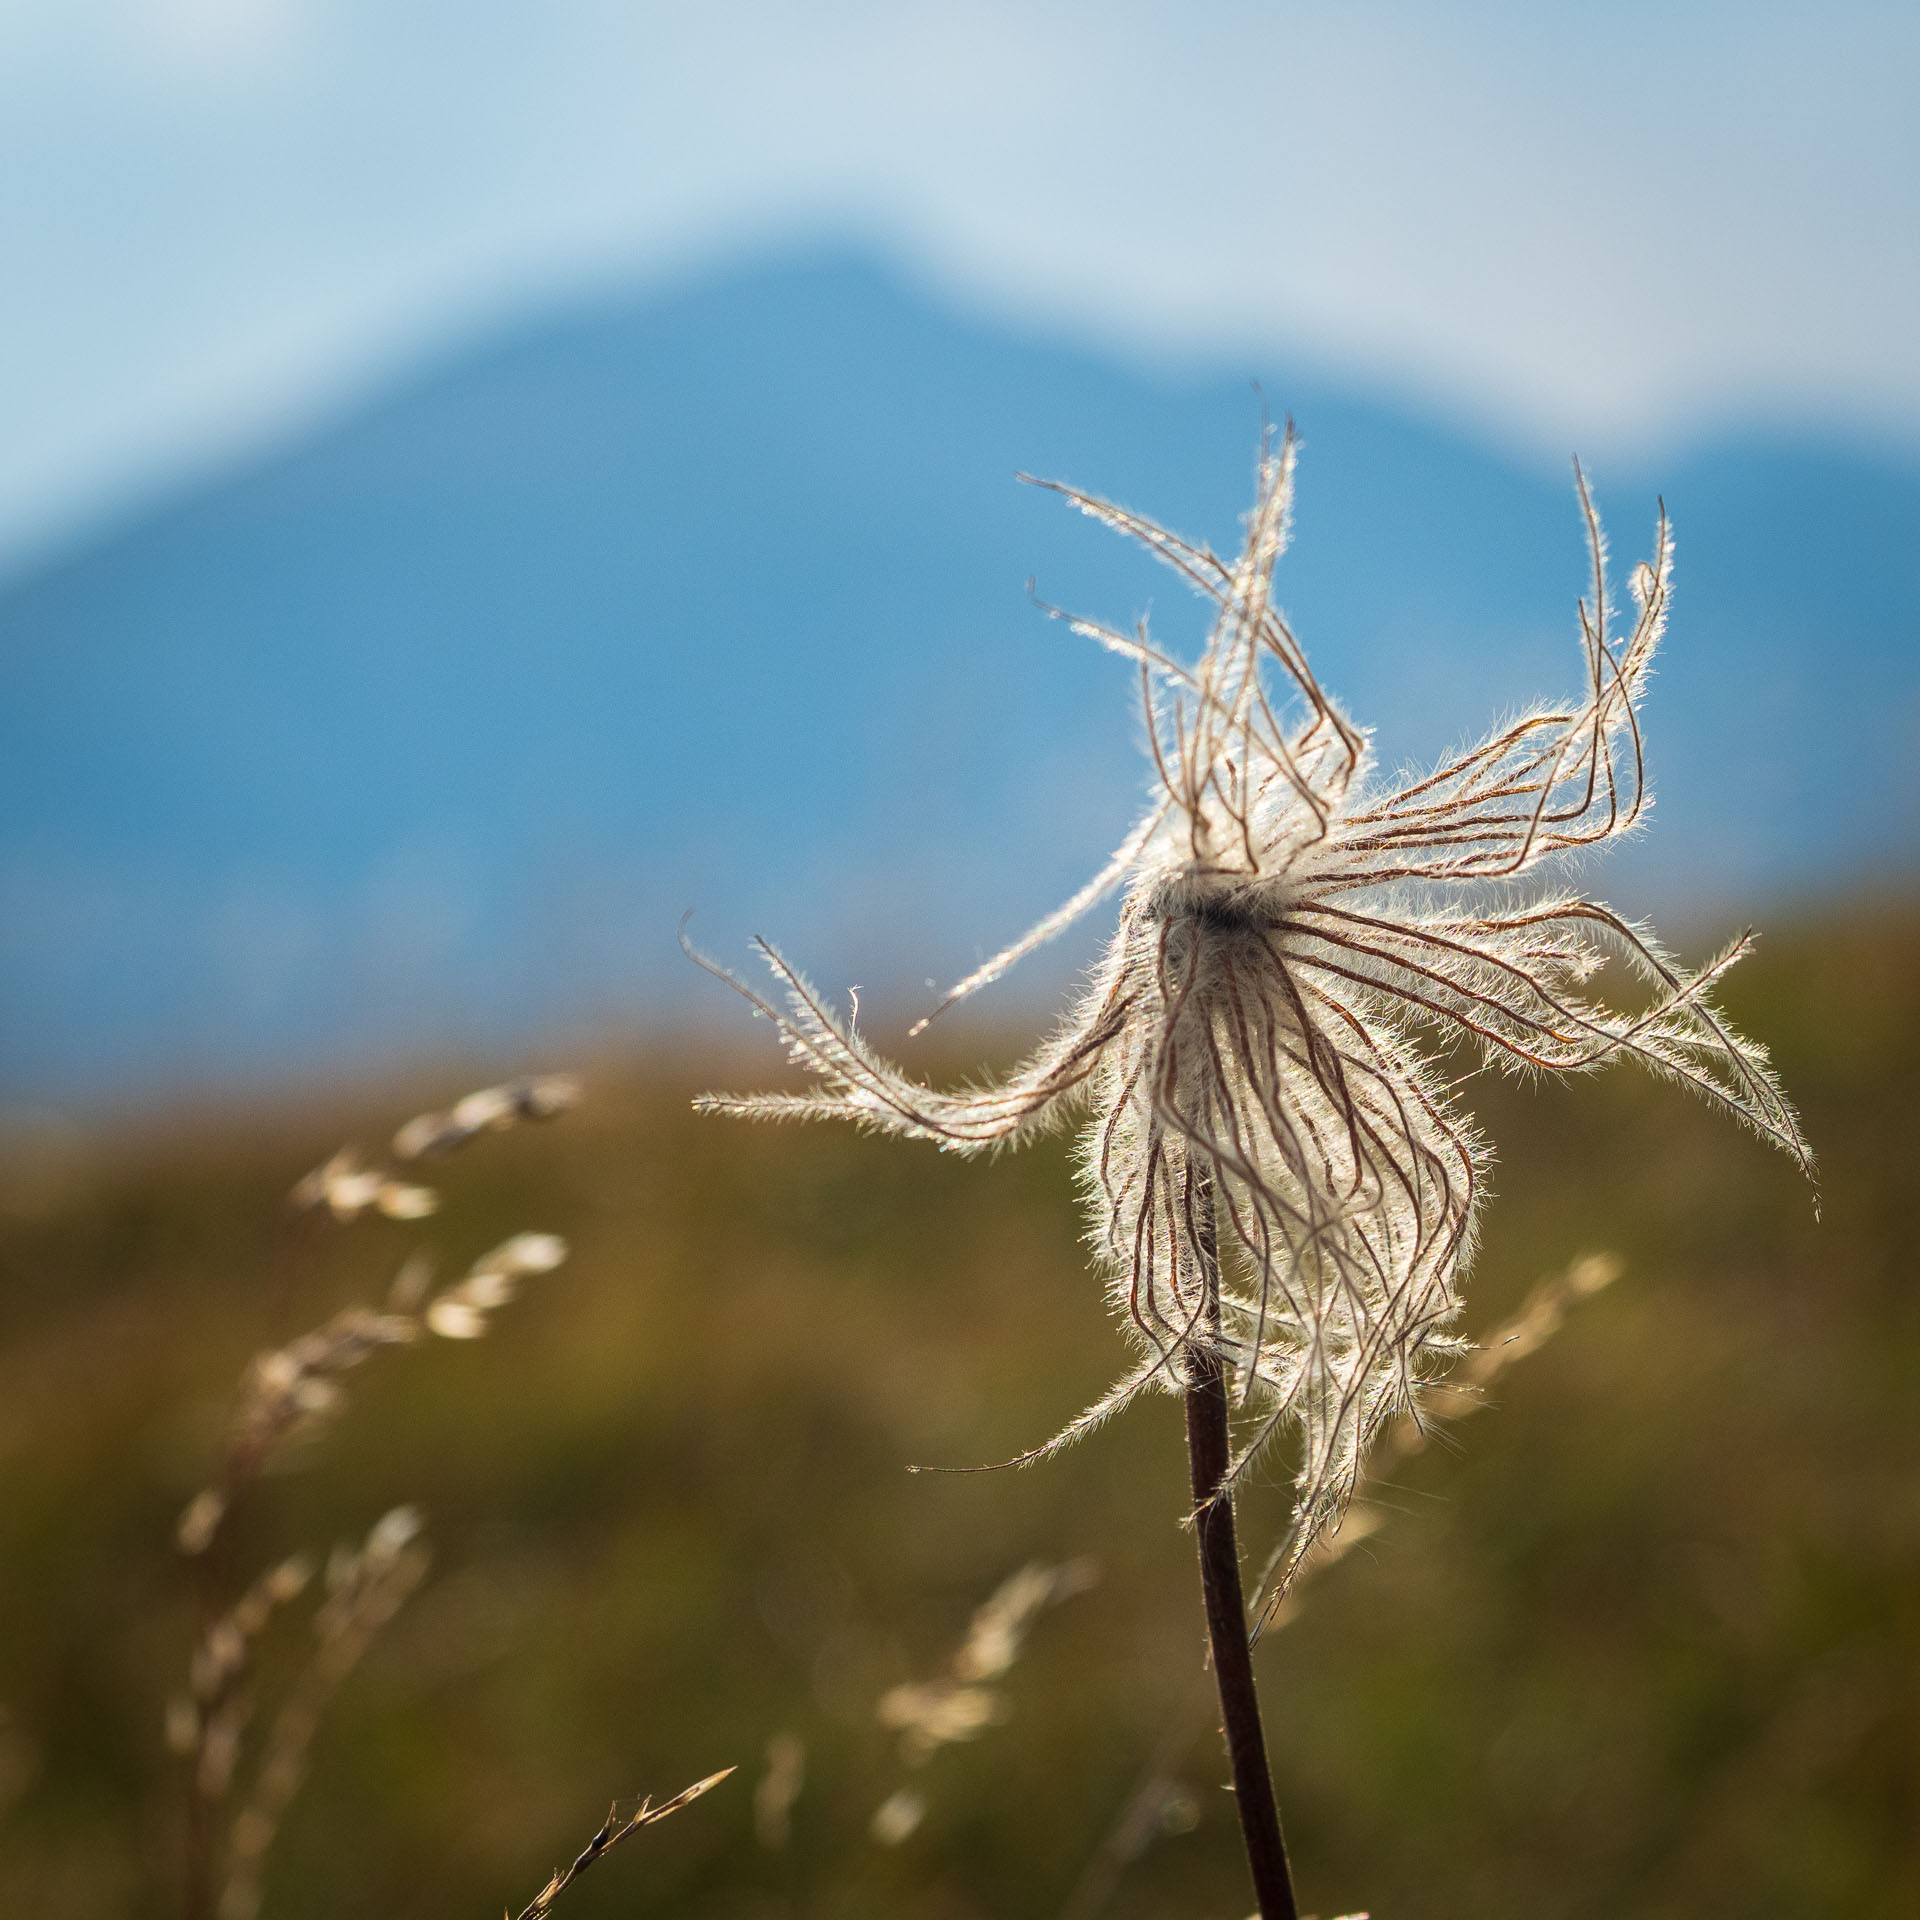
1294	930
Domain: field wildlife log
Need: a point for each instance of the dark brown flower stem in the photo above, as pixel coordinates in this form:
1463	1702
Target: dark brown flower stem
1207	1455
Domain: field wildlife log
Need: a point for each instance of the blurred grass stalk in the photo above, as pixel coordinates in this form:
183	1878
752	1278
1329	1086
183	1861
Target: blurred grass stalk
288	1393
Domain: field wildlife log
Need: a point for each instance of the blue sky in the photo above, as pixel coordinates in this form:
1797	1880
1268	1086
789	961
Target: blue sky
1616	224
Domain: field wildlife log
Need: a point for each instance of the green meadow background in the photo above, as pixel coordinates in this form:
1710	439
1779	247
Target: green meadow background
1643	1639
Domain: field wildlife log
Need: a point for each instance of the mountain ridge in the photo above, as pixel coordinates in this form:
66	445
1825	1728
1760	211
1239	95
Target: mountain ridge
422	729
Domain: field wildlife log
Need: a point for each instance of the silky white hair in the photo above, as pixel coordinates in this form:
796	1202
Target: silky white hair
1292	929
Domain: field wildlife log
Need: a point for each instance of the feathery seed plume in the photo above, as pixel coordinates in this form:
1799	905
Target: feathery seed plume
1292	928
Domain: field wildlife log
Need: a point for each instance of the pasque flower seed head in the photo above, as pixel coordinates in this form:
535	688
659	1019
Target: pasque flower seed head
1254	1047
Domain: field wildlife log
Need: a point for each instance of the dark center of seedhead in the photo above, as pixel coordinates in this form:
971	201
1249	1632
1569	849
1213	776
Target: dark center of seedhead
1214	903
1227	915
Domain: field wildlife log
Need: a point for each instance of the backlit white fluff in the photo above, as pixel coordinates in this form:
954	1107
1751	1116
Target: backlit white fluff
1292	929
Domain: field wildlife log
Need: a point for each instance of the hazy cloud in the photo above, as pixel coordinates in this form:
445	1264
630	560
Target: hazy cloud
1604	225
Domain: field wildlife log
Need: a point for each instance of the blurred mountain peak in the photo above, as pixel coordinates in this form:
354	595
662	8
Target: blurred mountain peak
421	730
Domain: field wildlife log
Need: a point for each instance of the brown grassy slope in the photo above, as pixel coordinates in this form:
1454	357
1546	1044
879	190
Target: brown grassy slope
1645	1642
